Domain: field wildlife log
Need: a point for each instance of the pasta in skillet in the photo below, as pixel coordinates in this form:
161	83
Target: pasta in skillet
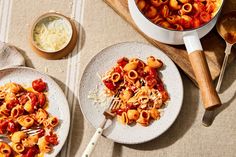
25	108
141	91
179	14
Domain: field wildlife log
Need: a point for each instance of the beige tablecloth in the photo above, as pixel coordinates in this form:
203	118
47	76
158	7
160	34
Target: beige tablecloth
102	27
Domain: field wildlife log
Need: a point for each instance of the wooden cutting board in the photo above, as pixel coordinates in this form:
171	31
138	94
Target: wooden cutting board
212	43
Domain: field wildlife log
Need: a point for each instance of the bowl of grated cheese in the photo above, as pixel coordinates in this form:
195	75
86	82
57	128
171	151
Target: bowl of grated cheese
53	35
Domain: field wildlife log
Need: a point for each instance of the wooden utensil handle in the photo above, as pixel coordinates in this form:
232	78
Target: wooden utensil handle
209	95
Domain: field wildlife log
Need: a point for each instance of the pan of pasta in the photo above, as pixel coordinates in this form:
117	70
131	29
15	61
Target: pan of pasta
149	86
30	100
179	22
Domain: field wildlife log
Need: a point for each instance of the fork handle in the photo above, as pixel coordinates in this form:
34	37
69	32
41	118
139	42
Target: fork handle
90	147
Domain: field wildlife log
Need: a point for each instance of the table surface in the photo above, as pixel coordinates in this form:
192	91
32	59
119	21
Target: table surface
100	27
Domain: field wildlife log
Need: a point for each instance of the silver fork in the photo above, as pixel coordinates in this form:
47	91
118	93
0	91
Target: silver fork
107	115
31	132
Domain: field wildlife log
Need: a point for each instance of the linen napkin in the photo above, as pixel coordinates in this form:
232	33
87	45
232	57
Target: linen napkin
10	56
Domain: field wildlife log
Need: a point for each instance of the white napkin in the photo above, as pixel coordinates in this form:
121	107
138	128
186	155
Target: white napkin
10	56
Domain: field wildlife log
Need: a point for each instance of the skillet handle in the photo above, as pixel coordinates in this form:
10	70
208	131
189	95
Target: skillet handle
201	70
209	95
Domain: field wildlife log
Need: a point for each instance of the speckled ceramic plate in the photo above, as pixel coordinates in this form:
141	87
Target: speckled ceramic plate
106	59
58	104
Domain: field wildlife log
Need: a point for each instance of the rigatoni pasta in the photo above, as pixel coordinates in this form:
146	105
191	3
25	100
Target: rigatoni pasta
25	108
141	91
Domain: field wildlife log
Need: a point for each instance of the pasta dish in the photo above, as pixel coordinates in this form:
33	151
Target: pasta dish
25	108
141	91
179	14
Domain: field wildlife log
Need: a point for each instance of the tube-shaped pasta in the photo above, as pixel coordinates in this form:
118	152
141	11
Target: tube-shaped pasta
29	107
186	8
18	136
178	27
5	149
132	74
165	24
144	118
10	97
13	87
184	1
18	147
186	21
173	19
156	3
165	11
4	111
157	19
53	121
25	121
155	114
141	4
143	99
17	111
123	118
132	115
115	77
151	12
198	6
174	4
131	66
41	115
44	145
126	95
154	63
30	141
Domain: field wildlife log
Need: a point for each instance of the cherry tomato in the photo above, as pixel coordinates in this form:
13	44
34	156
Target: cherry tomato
109	84
39	85
119	111
131	106
31	152
118	70
41	99
164	95
52	139
12	127
41	132
152	72
123	61
34	99
3	126
160	87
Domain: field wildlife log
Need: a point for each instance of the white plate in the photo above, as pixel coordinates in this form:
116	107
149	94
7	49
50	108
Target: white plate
106	59
58	105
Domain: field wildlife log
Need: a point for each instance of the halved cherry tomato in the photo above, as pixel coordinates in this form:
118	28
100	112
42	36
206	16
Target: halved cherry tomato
31	152
119	111
3	126
12	127
109	84
52	139
39	85
12	104
123	61
34	99
23	99
41	99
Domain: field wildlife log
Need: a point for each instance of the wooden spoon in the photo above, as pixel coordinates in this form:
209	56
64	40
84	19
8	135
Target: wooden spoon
226	27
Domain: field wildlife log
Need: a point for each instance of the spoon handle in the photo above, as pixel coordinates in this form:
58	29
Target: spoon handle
222	71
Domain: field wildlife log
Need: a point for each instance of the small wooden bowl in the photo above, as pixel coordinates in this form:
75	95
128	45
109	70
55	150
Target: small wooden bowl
66	49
